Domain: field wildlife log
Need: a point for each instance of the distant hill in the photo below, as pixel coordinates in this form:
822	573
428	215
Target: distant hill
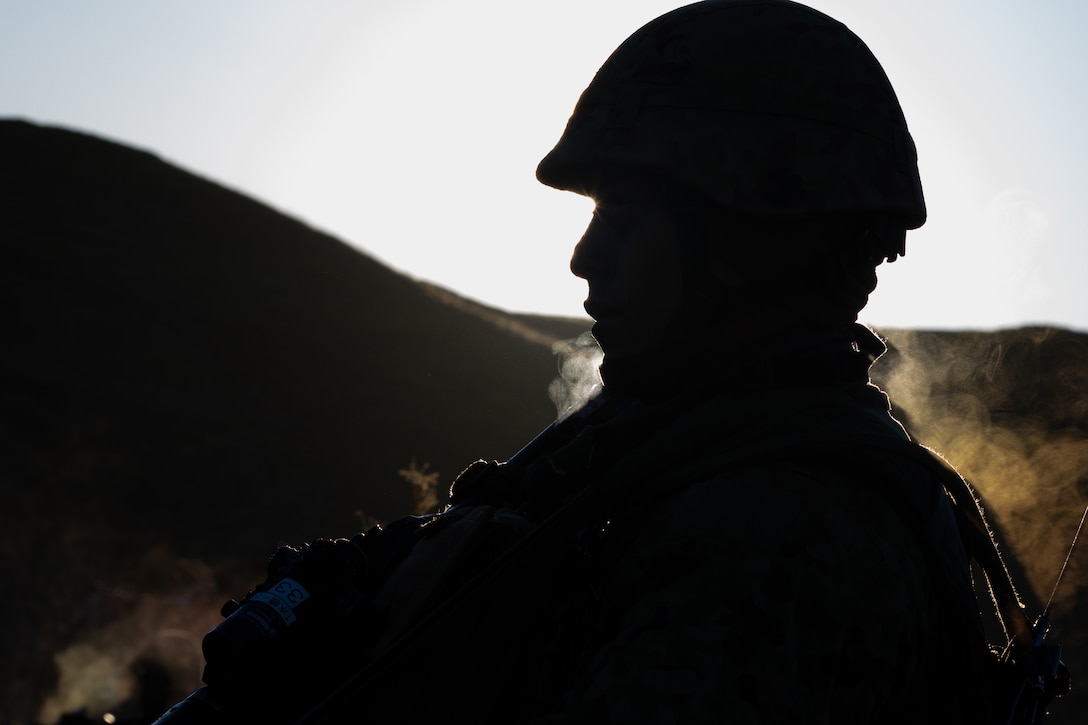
189	378
187	370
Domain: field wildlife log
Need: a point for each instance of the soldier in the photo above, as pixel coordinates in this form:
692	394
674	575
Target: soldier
736	529
767	562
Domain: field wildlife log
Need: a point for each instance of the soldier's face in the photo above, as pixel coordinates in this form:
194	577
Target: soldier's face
629	257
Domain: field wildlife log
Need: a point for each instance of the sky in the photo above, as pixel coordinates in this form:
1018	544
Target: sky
411	129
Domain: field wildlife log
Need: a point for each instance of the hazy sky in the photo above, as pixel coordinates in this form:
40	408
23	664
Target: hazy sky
412	128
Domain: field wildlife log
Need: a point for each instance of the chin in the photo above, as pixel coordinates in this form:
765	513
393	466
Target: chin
605	335
617	343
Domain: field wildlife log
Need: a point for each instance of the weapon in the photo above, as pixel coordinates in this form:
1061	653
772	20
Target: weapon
276	641
309	594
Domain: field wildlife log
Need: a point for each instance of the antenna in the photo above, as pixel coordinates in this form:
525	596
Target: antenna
1043	624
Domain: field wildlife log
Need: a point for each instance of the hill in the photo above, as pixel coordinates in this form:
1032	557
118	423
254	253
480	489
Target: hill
190	378
189	374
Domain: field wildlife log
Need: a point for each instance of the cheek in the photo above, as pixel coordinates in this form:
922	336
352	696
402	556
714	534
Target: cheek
659	270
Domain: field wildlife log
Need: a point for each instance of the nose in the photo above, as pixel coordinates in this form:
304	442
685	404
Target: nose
595	251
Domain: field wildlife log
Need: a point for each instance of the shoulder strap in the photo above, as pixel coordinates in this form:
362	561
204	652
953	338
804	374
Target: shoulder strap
1028	674
975	532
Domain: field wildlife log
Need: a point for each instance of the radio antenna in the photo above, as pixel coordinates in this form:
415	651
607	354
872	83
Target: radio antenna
1044	620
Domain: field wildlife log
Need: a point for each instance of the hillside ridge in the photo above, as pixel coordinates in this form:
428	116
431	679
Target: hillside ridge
191	378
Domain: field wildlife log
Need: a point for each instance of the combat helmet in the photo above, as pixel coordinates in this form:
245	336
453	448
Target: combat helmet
766	107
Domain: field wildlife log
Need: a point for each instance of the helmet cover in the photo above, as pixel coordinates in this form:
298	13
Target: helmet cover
766	107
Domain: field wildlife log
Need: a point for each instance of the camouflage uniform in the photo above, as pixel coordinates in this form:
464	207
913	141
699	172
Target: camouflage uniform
738	550
758	565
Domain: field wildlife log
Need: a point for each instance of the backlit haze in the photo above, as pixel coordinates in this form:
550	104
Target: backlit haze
411	129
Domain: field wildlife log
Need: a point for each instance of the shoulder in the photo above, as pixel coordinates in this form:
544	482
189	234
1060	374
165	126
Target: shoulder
829	468
812	533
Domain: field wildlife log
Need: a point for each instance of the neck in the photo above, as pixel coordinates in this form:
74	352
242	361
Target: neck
823	356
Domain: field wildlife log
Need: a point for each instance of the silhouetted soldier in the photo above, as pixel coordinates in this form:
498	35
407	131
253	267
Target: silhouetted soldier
736	529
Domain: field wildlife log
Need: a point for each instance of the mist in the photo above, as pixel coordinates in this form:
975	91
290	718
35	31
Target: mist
1008	411
579	379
